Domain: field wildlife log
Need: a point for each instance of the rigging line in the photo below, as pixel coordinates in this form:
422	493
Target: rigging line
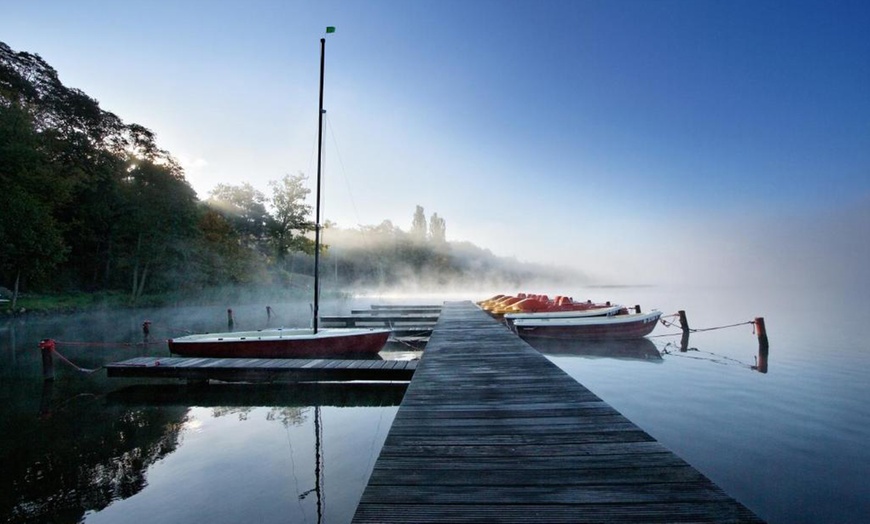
343	170
312	156
344	176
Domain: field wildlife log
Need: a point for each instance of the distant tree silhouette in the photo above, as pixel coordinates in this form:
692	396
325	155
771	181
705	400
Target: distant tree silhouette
418	225
437	229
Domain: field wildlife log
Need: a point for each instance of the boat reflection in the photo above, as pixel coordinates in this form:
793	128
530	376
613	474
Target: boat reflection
631	349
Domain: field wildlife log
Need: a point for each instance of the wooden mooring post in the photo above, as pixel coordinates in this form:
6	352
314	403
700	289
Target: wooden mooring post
763	345
684	325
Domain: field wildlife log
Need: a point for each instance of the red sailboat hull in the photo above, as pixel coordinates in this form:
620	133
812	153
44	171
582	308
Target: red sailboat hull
282	343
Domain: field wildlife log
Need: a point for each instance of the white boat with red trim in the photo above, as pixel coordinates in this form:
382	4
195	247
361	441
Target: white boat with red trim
633	325
605	311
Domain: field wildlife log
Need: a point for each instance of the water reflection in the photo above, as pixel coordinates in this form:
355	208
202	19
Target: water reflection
633	349
234	395
761	360
84	453
65	465
643	349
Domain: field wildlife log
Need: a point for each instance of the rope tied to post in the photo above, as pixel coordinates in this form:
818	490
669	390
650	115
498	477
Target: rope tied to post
669	324
50	345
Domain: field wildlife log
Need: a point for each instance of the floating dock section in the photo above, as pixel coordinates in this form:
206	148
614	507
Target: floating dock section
489	430
261	369
404	321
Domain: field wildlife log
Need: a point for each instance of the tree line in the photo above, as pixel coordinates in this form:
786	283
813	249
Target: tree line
91	203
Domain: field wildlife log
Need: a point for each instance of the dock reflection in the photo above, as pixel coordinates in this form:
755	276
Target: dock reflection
305	394
633	349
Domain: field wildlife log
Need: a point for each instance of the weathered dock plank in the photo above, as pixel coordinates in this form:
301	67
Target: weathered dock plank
241	370
489	430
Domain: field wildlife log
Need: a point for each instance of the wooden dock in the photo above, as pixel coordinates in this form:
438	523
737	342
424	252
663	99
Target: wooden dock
489	430
259	369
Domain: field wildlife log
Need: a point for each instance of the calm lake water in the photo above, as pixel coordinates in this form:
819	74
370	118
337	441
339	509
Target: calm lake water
791	444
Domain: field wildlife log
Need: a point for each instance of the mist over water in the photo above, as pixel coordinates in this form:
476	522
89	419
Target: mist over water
790	443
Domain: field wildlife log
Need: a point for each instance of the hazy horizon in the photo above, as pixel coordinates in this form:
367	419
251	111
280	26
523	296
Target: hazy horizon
638	142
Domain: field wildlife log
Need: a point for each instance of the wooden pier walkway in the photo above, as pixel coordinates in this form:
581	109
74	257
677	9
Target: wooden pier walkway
260	369
490	430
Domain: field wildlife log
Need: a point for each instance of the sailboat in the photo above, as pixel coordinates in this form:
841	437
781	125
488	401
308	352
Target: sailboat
290	342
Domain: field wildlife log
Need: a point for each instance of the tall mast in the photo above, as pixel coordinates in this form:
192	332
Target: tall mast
317	206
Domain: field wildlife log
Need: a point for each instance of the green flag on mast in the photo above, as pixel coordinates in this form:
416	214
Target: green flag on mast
330	29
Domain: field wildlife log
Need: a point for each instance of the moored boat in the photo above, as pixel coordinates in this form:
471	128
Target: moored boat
290	342
282	343
634	325
501	305
603	311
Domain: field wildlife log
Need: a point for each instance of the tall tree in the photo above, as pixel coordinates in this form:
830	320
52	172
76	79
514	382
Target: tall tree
217	256
160	220
88	152
290	220
31	244
437	230
418	225
245	208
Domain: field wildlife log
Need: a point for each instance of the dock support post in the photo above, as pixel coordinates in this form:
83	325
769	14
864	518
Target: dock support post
47	347
684	325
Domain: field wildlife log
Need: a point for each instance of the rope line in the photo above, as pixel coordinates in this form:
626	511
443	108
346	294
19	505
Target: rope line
77	368
398	340
701	330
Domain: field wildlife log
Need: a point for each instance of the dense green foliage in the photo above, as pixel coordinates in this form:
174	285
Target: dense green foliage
92	204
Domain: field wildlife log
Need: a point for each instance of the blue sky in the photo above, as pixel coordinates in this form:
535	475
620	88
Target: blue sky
637	140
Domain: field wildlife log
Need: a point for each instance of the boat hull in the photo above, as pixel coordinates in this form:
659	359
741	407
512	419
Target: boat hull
596	328
282	343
